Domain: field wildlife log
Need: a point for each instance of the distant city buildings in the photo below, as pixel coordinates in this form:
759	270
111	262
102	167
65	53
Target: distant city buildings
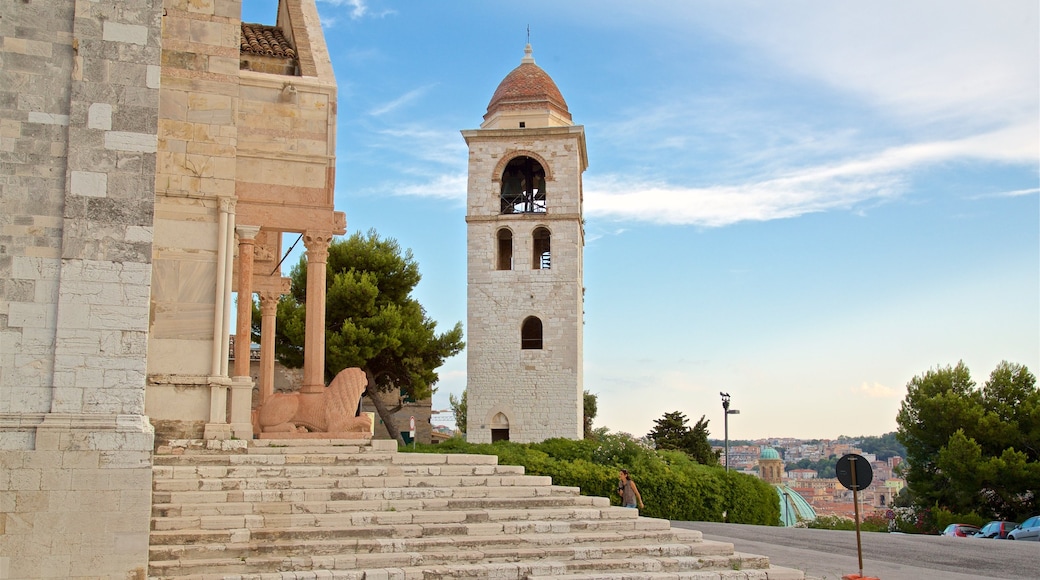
825	494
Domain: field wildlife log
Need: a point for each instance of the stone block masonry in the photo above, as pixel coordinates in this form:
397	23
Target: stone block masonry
78	114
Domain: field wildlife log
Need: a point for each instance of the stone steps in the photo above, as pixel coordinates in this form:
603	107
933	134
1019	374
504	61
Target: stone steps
457	509
519	530
250	557
360	510
472	563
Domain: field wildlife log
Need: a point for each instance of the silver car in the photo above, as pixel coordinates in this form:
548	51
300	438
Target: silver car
1029	530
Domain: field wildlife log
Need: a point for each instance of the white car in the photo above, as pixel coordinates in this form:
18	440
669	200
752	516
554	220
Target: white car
1029	530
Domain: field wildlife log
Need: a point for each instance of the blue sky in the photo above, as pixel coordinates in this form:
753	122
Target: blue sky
804	204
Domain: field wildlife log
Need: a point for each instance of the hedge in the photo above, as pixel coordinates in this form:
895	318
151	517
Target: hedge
673	486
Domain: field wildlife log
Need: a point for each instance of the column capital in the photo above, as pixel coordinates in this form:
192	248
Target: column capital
247	233
269	302
317	243
227	204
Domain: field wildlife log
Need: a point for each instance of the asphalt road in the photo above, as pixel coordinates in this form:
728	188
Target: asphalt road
828	555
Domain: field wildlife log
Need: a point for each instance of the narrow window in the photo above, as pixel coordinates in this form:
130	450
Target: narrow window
542	258
505	249
523	186
531	334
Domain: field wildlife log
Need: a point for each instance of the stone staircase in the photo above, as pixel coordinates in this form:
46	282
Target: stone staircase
360	510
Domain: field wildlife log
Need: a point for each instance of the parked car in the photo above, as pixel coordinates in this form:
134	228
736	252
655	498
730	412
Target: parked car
1027	530
996	529
960	530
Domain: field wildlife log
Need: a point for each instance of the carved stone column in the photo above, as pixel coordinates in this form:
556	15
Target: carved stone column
217	427
243	330
268	311
242	382
314	344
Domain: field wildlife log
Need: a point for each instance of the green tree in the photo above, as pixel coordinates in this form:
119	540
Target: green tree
590	408
459	408
972	450
824	467
371	321
672	432
883	446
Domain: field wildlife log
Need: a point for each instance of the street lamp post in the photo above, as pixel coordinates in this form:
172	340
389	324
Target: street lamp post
725	422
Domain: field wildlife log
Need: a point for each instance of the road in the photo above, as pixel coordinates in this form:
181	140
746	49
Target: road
828	554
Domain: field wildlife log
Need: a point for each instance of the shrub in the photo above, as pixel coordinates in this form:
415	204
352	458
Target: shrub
944	517
831	522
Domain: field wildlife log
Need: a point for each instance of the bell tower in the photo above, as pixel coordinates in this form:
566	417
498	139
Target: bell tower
524	287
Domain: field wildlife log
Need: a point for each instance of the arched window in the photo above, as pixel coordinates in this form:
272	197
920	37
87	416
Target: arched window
542	259
523	186
505	249
531	334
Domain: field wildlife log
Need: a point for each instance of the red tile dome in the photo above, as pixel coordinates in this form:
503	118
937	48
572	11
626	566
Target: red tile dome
527	87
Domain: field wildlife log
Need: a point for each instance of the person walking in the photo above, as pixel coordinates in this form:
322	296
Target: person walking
628	491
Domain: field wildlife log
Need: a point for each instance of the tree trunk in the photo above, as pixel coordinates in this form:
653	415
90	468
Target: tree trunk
385	414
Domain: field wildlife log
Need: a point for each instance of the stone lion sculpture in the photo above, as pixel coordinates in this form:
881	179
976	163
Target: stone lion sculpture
329	412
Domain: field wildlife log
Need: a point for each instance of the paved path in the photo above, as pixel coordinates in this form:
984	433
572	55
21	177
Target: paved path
827	554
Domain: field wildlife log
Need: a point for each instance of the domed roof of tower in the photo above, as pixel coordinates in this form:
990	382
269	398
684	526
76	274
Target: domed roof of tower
769	453
527	92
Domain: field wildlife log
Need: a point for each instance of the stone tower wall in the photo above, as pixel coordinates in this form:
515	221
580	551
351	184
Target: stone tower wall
79	97
539	391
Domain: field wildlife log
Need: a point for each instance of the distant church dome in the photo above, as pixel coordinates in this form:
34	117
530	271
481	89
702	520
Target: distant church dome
529	95
793	507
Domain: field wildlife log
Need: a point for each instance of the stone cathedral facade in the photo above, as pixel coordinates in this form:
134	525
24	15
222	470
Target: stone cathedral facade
525	239
152	155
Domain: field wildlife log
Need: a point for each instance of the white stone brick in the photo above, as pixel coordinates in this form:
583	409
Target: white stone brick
99	116
126	141
25	315
153	76
35	268
113	317
131	33
89	183
48	118
141	234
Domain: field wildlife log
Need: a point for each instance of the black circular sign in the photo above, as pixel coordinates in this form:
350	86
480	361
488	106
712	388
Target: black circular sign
854	465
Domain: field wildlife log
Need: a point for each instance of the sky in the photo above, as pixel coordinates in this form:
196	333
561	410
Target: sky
804	204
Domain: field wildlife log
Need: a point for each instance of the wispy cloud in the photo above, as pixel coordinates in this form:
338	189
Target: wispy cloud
969	60
358	9
877	391
448	187
401	101
1013	193
841	185
429	145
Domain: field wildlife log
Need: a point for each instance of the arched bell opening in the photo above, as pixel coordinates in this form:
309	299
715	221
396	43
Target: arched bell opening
523	186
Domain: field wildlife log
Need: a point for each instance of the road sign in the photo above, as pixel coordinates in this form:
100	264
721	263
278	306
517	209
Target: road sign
411	425
854	472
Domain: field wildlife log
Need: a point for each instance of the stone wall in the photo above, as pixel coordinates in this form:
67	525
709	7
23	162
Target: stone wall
539	391
78	110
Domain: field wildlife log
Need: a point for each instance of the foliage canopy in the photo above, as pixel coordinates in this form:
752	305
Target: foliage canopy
972	450
672	432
